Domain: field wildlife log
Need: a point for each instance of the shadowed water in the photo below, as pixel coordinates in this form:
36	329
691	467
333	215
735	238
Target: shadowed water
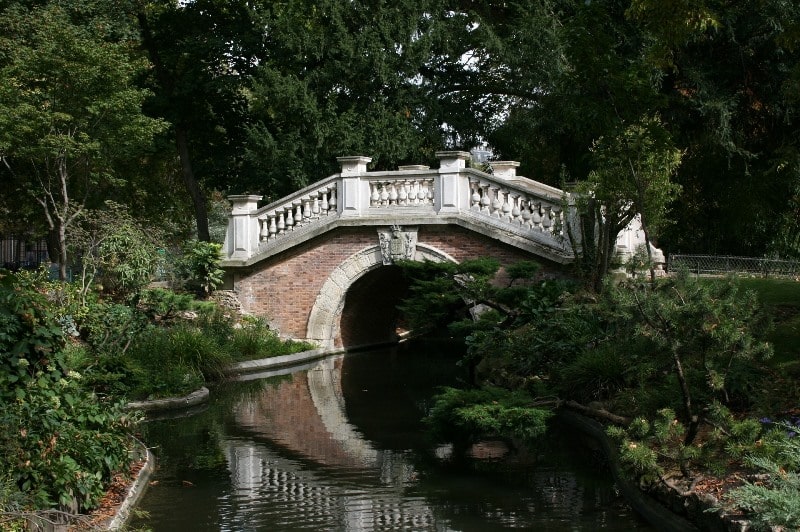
339	446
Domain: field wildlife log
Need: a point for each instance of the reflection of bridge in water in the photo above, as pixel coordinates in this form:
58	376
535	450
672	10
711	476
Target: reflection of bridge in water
302	454
305	415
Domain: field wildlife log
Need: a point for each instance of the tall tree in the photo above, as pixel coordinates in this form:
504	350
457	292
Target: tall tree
556	75
70	112
202	52
632	179
340	78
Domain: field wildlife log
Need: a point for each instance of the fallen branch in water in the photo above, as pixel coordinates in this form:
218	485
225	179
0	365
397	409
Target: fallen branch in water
598	413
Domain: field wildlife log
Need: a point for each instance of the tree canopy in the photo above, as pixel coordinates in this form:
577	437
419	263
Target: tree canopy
261	97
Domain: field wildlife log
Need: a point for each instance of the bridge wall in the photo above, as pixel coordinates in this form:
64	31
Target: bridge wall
285	288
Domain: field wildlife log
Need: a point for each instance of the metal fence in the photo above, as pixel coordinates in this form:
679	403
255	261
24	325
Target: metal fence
722	265
17	252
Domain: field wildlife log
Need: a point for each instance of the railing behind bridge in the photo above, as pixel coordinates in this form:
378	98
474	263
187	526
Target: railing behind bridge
722	265
19	252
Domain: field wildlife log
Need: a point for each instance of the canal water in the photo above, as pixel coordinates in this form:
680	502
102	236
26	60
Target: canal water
338	445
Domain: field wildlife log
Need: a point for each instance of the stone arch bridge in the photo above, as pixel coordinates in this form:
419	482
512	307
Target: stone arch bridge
319	263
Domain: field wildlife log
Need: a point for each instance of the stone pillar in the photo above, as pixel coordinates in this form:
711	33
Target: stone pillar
241	238
452	188
353	192
505	169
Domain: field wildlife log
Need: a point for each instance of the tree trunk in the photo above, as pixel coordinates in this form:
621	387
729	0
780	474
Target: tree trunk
62	251
694	420
165	79
198	199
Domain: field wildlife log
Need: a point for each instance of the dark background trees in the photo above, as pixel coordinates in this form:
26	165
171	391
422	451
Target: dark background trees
261	97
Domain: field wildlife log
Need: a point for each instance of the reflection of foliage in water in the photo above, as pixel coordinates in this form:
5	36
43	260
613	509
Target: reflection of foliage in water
195	442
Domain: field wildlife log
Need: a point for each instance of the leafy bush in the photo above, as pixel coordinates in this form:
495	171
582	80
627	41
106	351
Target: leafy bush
775	503
65	441
462	416
118	255
199	267
165	306
111	327
594	375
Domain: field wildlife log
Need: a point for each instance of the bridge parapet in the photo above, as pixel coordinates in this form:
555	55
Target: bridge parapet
511	208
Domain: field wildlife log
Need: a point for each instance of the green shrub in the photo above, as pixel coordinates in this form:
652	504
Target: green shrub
109	328
462	416
594	375
66	442
118	255
175	361
647	447
164	306
199	267
775	503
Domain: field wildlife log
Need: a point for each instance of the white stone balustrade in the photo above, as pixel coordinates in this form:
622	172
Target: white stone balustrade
516	206
277	219
401	191
511	208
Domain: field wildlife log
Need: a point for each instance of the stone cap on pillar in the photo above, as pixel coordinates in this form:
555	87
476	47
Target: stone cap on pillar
244	204
452	160
504	169
354	164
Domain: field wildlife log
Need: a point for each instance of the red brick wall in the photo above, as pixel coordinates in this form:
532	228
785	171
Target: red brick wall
284	288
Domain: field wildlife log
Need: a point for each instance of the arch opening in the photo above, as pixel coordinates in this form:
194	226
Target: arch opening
370	314
324	323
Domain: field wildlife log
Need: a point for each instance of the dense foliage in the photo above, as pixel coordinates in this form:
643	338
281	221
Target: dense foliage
64	441
70	358
678	367
238	96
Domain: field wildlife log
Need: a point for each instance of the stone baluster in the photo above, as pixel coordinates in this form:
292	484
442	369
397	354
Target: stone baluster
515	210
332	199
496	205
536	216
485	201
281	221
505	213
273	229
547	221
422	192
402	197
325	205
384	194
475	198
297	206
393	193
558	220
526	213
413	192
375	196
315	205
289	218
307	209
263	235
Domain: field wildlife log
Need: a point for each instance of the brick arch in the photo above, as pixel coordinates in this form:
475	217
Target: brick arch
324	320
